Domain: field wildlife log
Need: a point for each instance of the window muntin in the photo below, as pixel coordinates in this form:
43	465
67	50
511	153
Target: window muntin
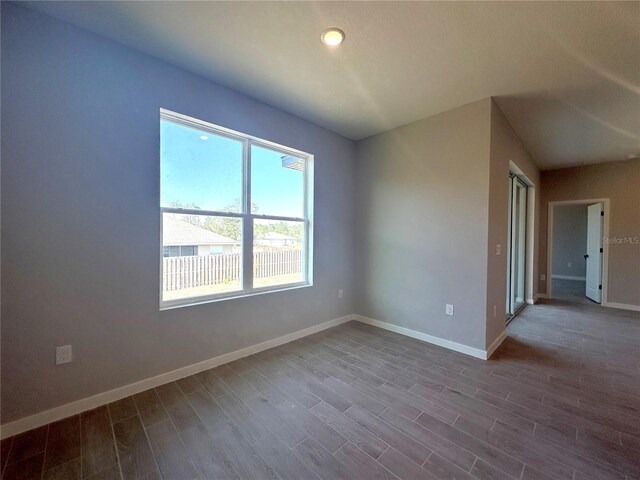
255	249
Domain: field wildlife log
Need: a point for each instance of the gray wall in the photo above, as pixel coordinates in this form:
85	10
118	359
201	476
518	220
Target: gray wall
617	181
569	240
422	212
507	153
80	219
432	205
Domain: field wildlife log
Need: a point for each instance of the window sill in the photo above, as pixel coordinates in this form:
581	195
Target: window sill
192	301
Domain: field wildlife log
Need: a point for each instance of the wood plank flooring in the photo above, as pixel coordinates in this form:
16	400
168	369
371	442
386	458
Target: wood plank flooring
559	400
570	291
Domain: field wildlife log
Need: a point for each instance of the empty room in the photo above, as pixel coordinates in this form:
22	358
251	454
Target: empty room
319	240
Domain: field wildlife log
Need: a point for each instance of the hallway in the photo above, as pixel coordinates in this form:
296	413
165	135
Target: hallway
570	290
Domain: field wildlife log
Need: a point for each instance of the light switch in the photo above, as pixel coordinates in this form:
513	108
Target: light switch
63	354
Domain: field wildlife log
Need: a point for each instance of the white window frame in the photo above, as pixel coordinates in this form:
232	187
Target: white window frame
246	278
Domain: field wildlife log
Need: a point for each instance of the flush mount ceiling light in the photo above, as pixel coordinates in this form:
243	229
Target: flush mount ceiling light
332	37
204	137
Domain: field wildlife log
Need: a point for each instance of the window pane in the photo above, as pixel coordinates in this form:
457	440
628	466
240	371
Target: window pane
277	183
186	250
278	253
202	255
199	170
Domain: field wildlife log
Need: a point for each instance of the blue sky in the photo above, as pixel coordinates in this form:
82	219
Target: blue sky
206	170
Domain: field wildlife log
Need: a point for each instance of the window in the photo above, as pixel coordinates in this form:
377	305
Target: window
236	213
180	250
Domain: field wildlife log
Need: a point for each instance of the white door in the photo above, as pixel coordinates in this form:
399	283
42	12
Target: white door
594	252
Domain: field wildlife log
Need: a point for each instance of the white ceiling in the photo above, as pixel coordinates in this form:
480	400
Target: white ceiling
566	74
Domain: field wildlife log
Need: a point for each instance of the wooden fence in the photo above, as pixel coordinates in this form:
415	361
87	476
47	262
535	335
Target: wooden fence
202	270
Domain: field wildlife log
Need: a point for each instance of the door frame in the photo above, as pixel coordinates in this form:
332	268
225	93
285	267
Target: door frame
605	246
532	240
515	178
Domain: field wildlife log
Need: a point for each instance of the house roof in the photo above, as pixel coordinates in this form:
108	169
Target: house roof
177	232
274	236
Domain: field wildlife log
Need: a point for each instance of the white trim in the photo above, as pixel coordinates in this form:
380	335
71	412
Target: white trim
246	215
623	306
188	121
531	233
218	297
534	300
606	205
531	252
569	277
458	347
496	343
63	411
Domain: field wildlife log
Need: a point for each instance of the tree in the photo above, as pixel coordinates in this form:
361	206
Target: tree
228	226
291	229
192	219
232	226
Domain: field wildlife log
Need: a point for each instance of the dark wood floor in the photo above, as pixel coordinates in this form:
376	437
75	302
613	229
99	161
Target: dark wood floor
559	400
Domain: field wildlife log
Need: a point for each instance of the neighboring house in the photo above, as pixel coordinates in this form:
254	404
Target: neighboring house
273	239
182	239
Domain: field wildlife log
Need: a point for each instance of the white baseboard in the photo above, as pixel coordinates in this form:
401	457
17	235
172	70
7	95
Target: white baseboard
63	411
623	306
569	277
458	347
539	296
496	343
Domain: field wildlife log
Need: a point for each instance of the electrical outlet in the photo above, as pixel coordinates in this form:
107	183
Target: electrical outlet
543	277
498	249
494	311
340	293
63	354
449	309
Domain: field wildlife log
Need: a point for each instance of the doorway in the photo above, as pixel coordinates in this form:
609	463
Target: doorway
516	246
577	252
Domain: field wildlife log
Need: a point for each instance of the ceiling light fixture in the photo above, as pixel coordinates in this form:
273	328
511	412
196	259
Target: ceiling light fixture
332	37
204	137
